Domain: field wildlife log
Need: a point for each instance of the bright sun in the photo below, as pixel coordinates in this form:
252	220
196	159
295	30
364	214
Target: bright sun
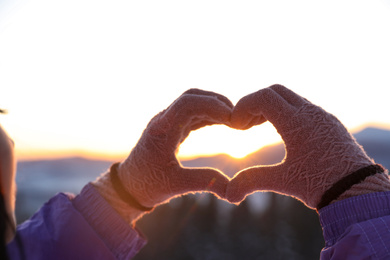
213	140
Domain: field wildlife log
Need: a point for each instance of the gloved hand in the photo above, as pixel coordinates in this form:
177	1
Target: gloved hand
152	174
319	149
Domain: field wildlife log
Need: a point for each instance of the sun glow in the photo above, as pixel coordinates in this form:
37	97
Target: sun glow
213	140
88	86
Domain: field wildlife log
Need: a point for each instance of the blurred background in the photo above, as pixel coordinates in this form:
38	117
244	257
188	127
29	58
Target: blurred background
264	226
81	80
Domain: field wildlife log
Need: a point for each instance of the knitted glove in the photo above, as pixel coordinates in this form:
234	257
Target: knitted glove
152	174
319	150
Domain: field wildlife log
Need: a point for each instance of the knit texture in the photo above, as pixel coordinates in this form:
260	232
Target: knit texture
152	174
104	186
319	149
347	182
376	183
112	229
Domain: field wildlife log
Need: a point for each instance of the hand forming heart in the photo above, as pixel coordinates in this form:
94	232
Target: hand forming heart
320	151
152	174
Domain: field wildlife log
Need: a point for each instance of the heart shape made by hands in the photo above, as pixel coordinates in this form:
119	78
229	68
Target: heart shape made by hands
319	149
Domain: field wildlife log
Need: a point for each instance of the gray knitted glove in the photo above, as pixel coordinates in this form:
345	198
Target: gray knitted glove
319	150
152	174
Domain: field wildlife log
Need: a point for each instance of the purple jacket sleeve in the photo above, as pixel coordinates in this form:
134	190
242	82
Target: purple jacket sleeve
357	228
83	227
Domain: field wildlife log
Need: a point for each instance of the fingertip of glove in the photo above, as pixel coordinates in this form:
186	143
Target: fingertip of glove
239	120
234	196
235	201
200	92
278	86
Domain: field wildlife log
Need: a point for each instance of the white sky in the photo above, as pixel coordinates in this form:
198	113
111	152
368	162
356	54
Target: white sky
89	75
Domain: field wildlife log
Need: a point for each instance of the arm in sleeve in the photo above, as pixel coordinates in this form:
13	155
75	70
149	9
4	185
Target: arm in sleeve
357	228
81	227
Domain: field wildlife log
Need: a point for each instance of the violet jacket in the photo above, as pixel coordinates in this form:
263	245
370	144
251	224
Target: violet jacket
357	228
81	227
86	227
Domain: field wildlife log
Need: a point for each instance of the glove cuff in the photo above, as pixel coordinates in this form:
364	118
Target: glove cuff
345	184
121	191
106	188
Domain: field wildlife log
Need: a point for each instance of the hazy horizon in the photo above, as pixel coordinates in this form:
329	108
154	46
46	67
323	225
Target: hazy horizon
58	155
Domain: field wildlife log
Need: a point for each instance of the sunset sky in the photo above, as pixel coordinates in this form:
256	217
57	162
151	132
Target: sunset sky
85	77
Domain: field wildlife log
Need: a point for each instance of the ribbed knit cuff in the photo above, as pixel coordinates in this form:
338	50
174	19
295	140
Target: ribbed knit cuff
375	183
123	240
105	187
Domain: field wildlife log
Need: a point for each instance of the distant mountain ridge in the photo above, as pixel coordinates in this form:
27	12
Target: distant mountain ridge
371	134
375	141
265	156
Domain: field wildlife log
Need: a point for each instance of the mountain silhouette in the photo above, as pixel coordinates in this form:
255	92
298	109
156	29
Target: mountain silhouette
267	155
